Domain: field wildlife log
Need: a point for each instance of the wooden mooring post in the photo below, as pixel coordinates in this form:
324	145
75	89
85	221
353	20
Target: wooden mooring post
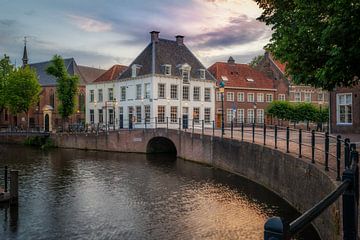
14	186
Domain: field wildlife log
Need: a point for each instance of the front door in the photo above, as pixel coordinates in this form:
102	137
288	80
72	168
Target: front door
121	121
185	121
47	123
218	120
130	117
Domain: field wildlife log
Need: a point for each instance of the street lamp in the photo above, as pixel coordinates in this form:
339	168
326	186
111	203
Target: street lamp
38	121
222	86
254	121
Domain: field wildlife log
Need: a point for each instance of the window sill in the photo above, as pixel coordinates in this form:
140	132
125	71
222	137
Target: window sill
344	124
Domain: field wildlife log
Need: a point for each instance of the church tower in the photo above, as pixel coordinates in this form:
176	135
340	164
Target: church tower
25	55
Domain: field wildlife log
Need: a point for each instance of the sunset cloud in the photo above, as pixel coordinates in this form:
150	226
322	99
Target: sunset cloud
89	24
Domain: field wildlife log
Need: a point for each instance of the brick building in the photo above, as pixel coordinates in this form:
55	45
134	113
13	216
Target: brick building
247	92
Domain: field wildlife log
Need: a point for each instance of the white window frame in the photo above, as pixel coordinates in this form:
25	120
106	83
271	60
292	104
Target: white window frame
174	91
281	97
161	114
207	115
146	90
123	93
307	97
161	90
297	96
250	115
207	94
167	69
202	73
250	97
260	97
269	97
173	114
196	94
218	96
100	95
230	96
240	115
260	115
110	94
241	97
186	93
339	105
138	91
92	97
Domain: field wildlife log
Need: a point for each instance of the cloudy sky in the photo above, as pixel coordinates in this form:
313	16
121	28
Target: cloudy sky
106	32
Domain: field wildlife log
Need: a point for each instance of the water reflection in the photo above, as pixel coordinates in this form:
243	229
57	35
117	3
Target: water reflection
68	194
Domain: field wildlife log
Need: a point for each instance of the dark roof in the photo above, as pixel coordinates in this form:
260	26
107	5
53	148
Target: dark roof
112	74
72	69
90	74
166	52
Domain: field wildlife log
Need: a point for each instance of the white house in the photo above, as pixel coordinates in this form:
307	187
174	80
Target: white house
165	85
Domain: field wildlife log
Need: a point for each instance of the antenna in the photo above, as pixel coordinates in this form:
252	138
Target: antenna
25	40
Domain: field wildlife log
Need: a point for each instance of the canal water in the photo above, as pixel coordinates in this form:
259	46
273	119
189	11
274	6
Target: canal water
72	194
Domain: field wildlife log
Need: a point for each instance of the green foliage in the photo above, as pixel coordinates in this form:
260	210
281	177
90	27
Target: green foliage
67	86
305	112
319	40
22	91
322	115
280	109
6	68
42	142
255	61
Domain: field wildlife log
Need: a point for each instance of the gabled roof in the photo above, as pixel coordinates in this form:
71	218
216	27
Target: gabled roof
278	64
112	74
166	52
90	74
240	75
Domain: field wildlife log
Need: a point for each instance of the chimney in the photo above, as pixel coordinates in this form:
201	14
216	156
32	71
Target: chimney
154	36
231	60
179	39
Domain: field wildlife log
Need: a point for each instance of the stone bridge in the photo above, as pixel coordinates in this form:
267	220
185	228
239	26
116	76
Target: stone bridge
296	180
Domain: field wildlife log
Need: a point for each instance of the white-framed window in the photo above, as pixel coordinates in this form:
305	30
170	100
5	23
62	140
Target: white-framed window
218	96
134	70
207	94
196	115
110	94
230	96
269	97
250	97
281	97
250	116
147	113
307	97
344	108
147	90
196	94
240	97
111	116
186	93
161	114
174	114
297	96
138	91
229	115
92	119
138	114
173	91
260	97
101	115
207	114
161	90
123	93
260	115
167	69
92	98
100	95
202	73
185	75
240	115
320	97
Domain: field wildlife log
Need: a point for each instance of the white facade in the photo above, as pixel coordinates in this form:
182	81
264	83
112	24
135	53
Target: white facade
128	109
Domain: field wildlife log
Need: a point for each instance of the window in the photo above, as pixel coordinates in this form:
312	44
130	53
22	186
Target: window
185	92
297	97
111	116
173	114
229	115
321	97
202	73
134	70
174	91
52	98
123	94
186	75
260	115
161	90
207	114
81	104
250	116
100	95
240	97
138	91
101	117
260	97
307	97
147	90
230	96
92	116
138	114
344	108
281	97
250	97
196	114
196	94
167	69
207	95
161	114
269	97
218	96
91	96
241	115
111	94
147	113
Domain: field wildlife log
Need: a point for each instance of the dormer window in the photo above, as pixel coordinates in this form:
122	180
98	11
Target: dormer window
249	79
202	73
185	72
135	70
224	78
167	69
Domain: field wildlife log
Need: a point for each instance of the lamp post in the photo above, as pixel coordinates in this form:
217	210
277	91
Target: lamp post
254	121
38	119
222	86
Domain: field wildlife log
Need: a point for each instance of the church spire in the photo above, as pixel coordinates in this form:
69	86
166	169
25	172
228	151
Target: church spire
25	56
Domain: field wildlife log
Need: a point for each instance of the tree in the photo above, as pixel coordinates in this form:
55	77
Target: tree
318	40
67	87
6	68
280	109
305	112
255	61
22	90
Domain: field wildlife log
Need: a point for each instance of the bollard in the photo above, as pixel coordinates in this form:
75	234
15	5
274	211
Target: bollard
192	127
276	229
242	131
213	125
264	134
300	142
287	139
14	186
179	124
313	146
231	129
202	128
6	178
275	135
253	132
347	152
338	157
327	151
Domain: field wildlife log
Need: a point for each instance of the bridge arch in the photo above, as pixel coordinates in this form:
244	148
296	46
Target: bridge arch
161	145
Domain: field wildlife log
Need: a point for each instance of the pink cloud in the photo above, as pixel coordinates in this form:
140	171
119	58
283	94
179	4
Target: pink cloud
89	24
